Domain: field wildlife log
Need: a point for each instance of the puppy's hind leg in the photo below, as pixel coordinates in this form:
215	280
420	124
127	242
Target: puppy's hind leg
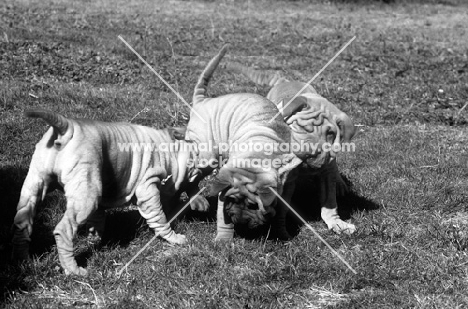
83	196
32	192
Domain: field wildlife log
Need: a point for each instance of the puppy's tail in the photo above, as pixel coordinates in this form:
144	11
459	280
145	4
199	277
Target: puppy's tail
263	78
55	120
200	89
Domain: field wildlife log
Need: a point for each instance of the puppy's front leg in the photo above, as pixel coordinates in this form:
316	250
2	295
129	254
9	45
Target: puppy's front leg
341	186
224	231
149	205
328	203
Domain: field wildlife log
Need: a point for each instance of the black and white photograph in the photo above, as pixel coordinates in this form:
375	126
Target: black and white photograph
234	154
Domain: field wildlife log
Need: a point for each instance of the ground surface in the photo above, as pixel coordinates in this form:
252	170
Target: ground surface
404	81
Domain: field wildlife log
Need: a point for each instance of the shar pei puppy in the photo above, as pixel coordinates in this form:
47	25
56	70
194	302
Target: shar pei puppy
101	165
232	132
313	120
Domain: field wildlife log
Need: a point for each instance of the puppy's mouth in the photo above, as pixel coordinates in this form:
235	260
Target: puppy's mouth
318	161
245	211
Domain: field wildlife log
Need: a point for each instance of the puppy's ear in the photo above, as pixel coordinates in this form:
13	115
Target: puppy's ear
346	127
297	105
177	133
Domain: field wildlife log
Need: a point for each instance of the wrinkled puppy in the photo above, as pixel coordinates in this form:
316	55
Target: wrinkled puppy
239	120
101	165
315	121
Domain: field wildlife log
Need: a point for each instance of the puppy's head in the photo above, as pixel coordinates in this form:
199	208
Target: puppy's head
311	132
249	192
342	120
242	210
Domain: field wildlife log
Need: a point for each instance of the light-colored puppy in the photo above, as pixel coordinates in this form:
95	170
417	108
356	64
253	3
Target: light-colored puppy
240	119
100	165
312	119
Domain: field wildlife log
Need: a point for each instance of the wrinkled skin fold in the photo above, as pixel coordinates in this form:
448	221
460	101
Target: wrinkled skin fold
312	119
225	120
84	157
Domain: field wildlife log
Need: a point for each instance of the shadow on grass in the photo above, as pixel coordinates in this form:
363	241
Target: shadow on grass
12	275
11	180
124	225
306	203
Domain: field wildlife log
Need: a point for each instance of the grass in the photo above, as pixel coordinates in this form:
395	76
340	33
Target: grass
404	81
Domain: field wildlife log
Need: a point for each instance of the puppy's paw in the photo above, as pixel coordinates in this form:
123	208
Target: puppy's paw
339	226
177	239
82	272
78	271
224	236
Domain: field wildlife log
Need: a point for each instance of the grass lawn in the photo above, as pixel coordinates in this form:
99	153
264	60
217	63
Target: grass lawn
404	81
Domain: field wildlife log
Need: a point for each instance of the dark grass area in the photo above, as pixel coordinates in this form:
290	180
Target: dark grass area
404	81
